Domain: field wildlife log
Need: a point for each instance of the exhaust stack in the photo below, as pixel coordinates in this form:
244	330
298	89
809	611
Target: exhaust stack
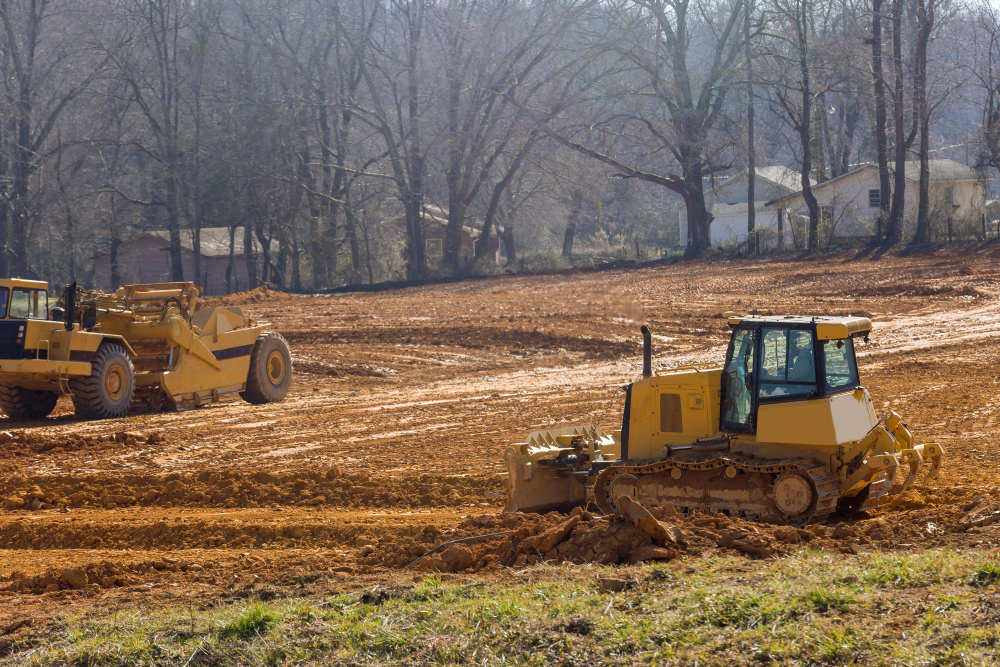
647	352
70	309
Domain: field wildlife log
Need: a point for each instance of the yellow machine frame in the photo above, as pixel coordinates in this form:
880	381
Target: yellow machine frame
673	421
183	354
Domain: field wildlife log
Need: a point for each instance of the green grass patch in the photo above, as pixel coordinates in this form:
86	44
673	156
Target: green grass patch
810	607
824	600
254	620
986	574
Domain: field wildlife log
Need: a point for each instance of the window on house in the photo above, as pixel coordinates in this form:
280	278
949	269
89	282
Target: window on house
434	248
874	198
949	195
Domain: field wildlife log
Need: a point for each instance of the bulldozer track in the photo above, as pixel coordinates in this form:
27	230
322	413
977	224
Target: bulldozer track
825	485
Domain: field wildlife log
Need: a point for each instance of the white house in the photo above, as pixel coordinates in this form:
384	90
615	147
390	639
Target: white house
849	203
727	203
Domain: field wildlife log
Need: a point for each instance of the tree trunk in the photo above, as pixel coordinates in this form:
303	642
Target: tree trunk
116	241
22	174
351	230
576	204
925	21
699	220
315	225
231	264
881	140
818	131
173	227
509	248
249	255
751	158
416	255
416	267
894	228
351	225
805	128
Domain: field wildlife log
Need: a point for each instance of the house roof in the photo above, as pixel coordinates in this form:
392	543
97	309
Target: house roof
214	241
779	174
439	215
941	171
740	210
784	176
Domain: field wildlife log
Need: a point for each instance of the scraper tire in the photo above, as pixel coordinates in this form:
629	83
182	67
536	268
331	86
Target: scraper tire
270	373
21	403
108	391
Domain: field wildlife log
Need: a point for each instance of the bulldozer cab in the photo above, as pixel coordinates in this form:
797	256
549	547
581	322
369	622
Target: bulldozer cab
24	299
775	360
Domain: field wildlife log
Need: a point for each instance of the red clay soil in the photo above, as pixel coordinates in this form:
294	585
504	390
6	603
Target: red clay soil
391	440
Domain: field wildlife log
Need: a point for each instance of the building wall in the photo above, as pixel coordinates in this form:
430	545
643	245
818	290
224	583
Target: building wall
725	229
147	260
434	241
853	215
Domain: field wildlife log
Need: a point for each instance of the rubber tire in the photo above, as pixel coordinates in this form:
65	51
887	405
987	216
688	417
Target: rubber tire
21	403
90	396
260	389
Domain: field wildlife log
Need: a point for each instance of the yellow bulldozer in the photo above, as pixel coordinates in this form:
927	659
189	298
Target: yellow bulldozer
781	432
151	346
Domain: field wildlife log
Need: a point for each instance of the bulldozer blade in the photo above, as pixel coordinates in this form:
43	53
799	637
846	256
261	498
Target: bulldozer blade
552	470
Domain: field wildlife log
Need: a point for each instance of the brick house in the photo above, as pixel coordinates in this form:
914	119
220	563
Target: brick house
146	259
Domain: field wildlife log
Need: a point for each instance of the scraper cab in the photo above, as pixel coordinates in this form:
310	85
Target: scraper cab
782	431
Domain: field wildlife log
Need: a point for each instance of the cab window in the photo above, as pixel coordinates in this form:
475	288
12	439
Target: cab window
738	400
840	365
787	363
4	293
32	304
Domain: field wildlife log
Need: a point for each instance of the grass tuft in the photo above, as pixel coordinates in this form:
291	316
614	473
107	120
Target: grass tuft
254	620
986	574
825	599
744	611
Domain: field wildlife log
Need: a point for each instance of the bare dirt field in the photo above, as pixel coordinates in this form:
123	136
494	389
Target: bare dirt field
404	400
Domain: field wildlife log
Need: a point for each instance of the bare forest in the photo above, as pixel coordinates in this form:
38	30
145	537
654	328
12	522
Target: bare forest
319	132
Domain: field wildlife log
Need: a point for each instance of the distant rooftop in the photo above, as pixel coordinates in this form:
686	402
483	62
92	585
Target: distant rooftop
214	240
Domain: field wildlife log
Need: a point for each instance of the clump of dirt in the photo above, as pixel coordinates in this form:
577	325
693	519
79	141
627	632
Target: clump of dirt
632	536
95	575
637	534
21	443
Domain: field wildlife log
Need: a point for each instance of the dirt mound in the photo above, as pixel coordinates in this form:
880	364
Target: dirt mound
584	537
638	535
258	295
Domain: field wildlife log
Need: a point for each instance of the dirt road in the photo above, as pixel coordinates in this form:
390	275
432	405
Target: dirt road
404	400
